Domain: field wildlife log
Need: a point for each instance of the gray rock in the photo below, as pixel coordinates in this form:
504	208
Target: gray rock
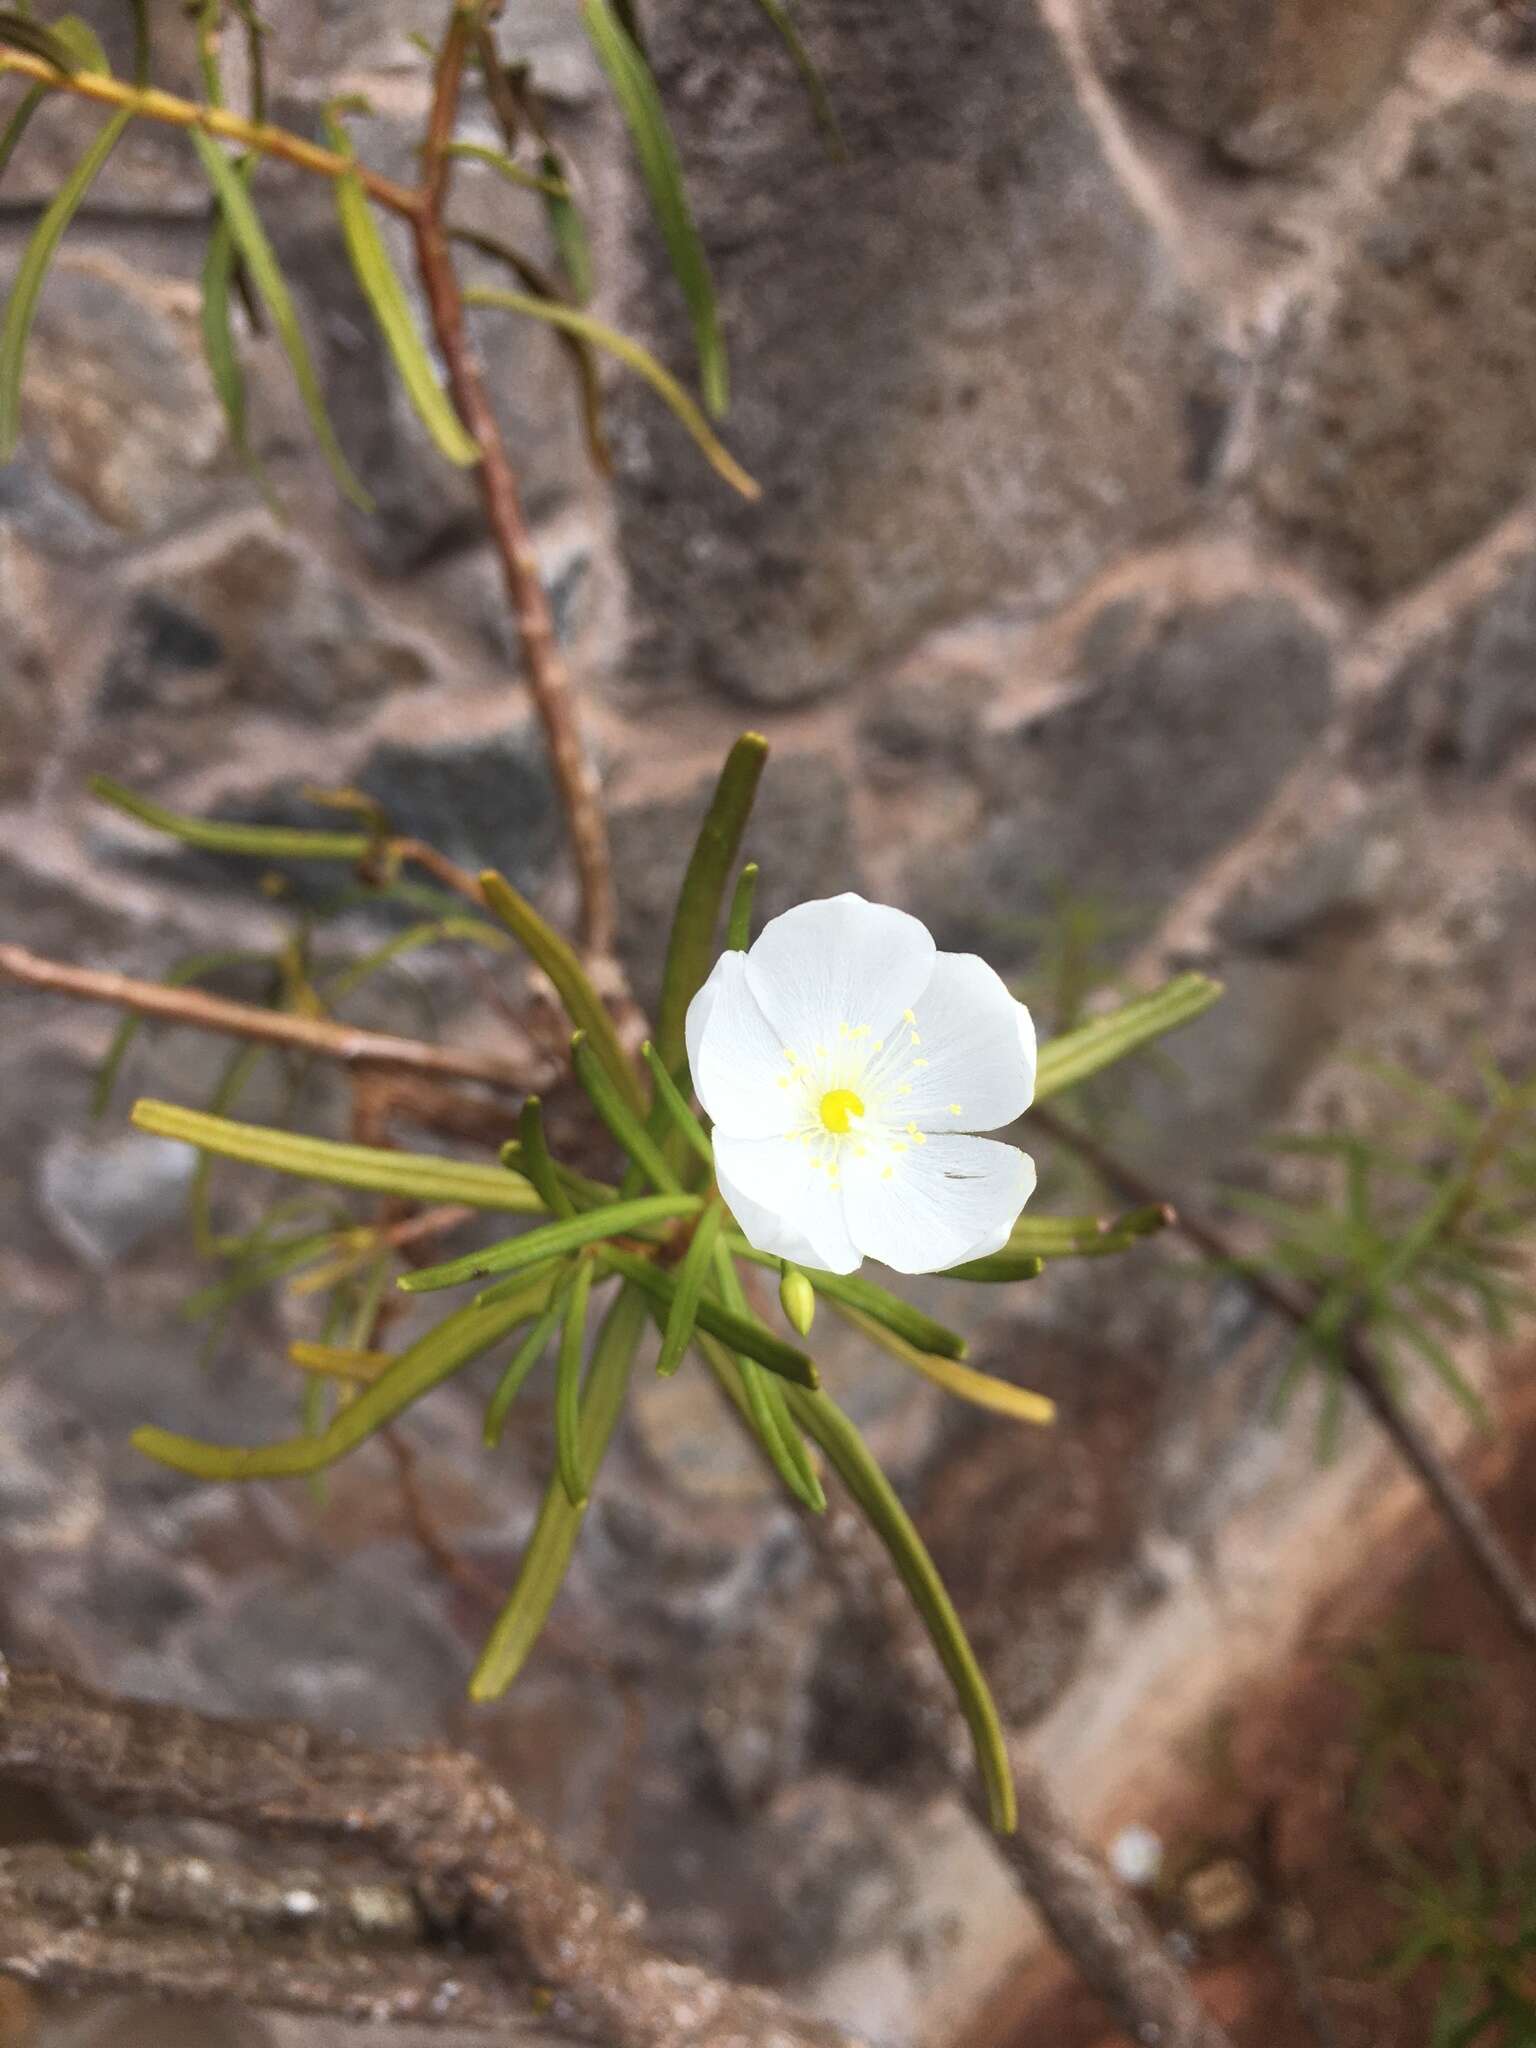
962	368
1266	81
800	834
1120	793
105	1198
1465	700
1402	426
1341	873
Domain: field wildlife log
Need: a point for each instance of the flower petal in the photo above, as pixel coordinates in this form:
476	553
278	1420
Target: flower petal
948	1199
783	1204
974	1068
735	1055
838	961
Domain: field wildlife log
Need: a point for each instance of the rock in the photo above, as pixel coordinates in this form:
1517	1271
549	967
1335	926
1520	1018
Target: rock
1120	793
1265	81
116	399
1339	871
105	1198
28	716
964	373
152	2023
801	834
1463	702
260	623
1404	422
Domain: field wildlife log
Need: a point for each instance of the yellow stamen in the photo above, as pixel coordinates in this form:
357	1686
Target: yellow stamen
838	1107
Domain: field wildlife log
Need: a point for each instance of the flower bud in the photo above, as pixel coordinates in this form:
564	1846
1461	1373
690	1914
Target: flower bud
797	1298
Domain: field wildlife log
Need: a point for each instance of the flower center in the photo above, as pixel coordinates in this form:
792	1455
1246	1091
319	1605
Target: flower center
837	1106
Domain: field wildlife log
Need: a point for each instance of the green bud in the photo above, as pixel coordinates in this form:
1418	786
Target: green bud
797	1298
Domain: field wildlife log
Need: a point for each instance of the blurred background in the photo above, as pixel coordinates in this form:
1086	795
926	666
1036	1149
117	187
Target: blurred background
1145	578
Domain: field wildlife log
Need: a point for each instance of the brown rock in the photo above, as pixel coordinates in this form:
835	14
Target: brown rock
1264	81
1405	423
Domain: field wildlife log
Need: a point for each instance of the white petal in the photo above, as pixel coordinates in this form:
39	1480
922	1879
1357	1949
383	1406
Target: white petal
838	961
736	1058
968	1062
950	1199
783	1203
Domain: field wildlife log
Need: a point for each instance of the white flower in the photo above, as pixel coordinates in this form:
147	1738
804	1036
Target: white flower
842	1059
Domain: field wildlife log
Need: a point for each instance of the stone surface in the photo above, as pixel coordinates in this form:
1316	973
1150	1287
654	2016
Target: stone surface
1264	81
1120	791
1464	702
995	387
1402	422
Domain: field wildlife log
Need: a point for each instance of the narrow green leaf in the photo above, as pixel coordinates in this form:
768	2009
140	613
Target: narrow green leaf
617	1114
567	229
258	1271
266	274
418	1176
83	45
141	47
1072	1058
767	1409
219	350
534	1160
691	945
574	321
743	1335
259	842
568	1387
458	1340
27	285
549	1548
551	1241
16	127
551	184
871	1300
872	1492
821	104
698	1262
1087	1237
983	1390
524	1359
739	930
1001	1267
1440	1362
635	90
386	296
437	931
21	32
583	1193
583	1005
671	1097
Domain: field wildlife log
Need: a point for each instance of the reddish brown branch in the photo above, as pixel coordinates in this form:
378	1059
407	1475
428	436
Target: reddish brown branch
544	665
435	1816
319	1035
1460	1509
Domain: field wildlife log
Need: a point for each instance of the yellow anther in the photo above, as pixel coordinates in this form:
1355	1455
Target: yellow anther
954	1109
838	1107
919	1063
886	1172
910	1015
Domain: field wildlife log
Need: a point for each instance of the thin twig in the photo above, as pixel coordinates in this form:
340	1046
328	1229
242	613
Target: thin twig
149	104
543	663
1103	1930
436	1816
1460	1509
347	1043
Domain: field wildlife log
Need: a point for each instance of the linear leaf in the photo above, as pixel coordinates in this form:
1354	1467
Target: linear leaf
670	1097
535	1161
38	39
1086	1237
738	934
456	1342
83	45
392	310
635	90
521	1621
16	127
742	1334
691	943
515	174
338	1361
552	1241
766	1408
982	1389
698	1261
821	104
219	350
418	1176
27	286
583	1005
568	1386
524	1359
574	321
1003	1267
619	1116
567	229
872	1491
183	972
1073	1057
260	842
266	274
